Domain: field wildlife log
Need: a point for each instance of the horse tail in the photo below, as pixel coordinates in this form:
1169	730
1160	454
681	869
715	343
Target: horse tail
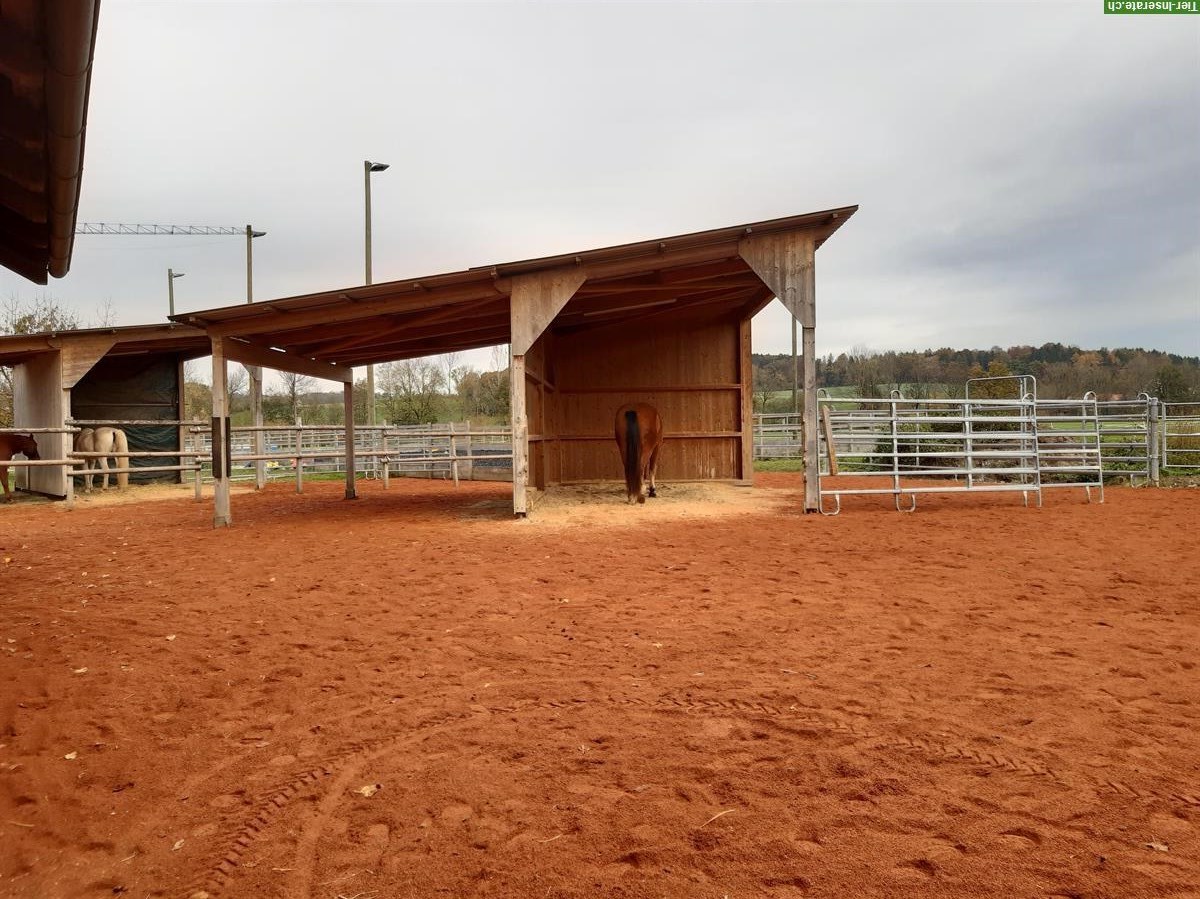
121	445
633	452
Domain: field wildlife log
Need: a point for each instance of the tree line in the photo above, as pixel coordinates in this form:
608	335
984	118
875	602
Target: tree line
1062	371
440	388
413	391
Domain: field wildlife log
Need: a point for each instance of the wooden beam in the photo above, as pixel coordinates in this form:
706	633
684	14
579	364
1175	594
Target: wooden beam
784	263
24	165
251	354
222	514
830	450
80	355
363	337
520	435
703	271
26	263
30	204
348	405
267	320
746	406
536	299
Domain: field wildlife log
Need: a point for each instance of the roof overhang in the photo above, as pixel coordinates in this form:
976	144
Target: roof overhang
469	309
46	52
180	340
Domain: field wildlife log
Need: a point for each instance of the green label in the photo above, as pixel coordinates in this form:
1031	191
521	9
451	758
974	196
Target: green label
1152	7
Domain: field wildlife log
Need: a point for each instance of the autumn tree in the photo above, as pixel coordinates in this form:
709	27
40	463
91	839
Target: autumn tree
36	316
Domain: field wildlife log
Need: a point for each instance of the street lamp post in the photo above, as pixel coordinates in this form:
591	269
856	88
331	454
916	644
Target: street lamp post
250	235
255	371
171	276
368	168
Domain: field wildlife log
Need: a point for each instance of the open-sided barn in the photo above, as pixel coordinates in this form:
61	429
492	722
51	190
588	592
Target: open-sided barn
665	320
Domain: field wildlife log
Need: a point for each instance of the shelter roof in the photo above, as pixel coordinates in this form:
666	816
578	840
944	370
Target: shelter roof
46	52
189	343
470	309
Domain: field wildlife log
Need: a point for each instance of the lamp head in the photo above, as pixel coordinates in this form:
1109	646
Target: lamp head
375	166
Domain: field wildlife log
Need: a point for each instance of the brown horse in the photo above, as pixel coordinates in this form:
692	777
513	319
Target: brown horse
639	438
10	445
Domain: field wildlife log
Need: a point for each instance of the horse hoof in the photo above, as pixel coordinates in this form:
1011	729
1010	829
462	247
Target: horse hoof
641	499
652	493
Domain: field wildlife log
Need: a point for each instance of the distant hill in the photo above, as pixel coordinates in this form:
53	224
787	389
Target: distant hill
1061	371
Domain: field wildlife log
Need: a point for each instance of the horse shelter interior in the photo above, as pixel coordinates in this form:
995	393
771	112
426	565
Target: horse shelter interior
664	321
101	374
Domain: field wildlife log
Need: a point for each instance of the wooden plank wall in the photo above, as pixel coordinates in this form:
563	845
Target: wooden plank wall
692	365
38	403
535	409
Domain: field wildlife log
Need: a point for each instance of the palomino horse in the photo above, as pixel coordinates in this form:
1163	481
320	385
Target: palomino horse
11	444
110	442
639	438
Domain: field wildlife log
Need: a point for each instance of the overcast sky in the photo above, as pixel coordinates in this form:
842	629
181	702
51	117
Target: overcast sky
1027	172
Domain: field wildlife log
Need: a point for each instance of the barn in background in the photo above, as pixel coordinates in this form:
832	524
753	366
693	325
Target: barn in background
102	374
666	321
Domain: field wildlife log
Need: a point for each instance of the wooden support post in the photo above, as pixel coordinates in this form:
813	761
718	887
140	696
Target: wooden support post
534	302
256	417
348	402
812	462
299	461
785	263
222	514
830	449
746	407
68	446
197	444
520	436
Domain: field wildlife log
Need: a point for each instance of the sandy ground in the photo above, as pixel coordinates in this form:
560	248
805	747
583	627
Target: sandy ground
412	695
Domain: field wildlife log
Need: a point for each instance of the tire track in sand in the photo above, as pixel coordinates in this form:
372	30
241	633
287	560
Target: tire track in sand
343	765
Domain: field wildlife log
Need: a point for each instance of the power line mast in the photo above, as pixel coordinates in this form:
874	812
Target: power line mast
113	228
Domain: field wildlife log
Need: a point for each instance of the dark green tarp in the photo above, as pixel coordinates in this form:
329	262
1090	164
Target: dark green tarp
131	388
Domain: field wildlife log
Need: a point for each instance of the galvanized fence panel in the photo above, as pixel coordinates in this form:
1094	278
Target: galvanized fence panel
1129	438
934	446
1070	448
1180	445
778	436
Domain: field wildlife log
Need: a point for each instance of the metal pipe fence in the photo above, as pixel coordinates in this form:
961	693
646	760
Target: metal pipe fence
778	436
447	450
1180	444
913	447
1021	444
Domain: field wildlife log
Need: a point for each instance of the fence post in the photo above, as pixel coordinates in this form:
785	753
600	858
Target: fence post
299	461
1152	438
198	447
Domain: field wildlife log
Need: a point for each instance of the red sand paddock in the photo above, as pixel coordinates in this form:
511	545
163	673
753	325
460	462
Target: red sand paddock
707	696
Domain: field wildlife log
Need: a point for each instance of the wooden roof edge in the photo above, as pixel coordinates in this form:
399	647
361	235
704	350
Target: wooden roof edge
826	221
168	331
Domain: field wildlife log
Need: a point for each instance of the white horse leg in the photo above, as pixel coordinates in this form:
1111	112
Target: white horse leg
103	462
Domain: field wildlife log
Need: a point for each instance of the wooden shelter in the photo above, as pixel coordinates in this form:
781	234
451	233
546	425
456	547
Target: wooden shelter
96	374
666	321
46	50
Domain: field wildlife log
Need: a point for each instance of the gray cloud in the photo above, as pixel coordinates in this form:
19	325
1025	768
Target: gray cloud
1026	172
